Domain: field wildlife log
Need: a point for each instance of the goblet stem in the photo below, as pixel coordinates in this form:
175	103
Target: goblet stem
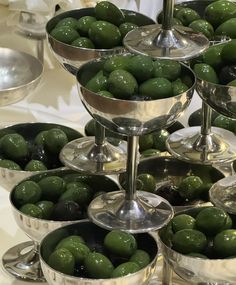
132	153
168	8
206	119
99	134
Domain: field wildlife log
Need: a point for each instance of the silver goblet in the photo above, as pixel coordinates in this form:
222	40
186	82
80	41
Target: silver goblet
204	145
90	154
130	210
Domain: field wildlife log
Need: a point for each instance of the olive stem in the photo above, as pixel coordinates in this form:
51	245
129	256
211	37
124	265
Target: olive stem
99	134
206	119
168	9
132	164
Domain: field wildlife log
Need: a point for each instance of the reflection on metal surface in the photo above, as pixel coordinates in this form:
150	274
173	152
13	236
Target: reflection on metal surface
223	194
189	145
180	43
20	73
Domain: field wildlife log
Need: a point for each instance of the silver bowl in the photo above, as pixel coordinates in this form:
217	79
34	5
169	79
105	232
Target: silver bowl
221	98
169	172
9	178
129	117
196	270
223	193
20	74
94	235
22	260
72	57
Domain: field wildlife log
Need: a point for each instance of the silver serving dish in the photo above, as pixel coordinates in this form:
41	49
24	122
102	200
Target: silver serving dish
22	260
9	178
196	270
20	73
130	117
169	172
94	235
72	57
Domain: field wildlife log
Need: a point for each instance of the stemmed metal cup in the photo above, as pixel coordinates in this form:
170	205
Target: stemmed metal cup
131	210
204	145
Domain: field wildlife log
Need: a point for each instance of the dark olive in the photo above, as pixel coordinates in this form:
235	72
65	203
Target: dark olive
67	211
227	74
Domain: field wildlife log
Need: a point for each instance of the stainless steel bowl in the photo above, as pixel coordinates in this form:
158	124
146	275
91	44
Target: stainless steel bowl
72	57
129	117
9	178
22	260
197	270
20	73
169	172
221	98
94	235
37	228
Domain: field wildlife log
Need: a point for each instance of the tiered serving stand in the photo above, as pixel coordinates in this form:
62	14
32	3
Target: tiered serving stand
131	210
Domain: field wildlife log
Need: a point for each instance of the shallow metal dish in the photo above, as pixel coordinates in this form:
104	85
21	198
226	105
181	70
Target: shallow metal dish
94	236
20	73
9	178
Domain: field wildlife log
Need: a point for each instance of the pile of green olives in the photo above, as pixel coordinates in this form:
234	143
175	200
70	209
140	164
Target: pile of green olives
209	234
104	30
63	197
21	151
139	78
217	120
218	19
178	190
118	256
218	64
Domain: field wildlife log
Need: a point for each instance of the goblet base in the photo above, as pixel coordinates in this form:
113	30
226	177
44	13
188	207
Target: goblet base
148	212
223	194
22	262
190	145
178	43
84	155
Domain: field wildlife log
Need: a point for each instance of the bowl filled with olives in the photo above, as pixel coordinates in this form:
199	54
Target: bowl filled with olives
44	202
183	184
199	246
79	35
215	19
111	257
29	148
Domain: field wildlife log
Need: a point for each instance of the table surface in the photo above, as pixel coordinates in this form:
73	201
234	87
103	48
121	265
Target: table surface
54	100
